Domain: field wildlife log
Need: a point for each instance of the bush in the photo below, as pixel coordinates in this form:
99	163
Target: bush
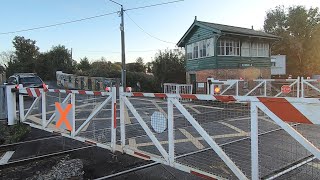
12	134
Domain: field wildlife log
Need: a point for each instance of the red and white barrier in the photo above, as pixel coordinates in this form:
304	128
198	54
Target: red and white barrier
36	92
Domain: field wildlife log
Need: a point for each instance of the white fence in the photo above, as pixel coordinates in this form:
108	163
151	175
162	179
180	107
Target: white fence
212	136
258	87
171	88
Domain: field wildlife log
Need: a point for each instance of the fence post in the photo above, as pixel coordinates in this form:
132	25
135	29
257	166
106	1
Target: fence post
3	105
170	132
122	123
298	86
237	88
21	105
265	88
11	105
43	108
114	118
73	102
254	142
302	87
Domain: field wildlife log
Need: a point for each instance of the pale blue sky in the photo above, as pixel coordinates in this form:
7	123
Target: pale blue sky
101	36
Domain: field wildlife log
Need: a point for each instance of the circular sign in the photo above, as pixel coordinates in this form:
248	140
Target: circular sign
285	89
158	122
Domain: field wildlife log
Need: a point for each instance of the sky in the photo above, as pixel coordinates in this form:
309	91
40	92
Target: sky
99	37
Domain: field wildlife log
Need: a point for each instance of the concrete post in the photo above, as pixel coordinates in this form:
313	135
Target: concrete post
11	105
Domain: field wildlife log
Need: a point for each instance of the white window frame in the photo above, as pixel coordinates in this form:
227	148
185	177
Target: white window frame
248	47
196	44
189	50
232	46
207	44
262	47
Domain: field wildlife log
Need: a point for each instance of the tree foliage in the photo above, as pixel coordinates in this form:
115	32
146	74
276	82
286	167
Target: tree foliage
137	66
24	57
299	29
169	67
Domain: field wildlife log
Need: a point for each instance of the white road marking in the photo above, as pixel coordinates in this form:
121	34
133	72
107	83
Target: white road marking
314	164
132	142
192	139
197	138
6	157
159	108
126	116
192	108
50	126
209	107
268	120
232	127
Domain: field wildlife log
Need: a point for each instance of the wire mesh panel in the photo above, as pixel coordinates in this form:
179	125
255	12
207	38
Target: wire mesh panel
289	150
98	128
273	88
153	112
283	157
32	110
311	88
227	124
89	115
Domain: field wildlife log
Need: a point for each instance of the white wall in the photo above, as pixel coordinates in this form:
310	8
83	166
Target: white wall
280	65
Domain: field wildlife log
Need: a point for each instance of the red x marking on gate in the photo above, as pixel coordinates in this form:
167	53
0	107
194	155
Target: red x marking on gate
63	117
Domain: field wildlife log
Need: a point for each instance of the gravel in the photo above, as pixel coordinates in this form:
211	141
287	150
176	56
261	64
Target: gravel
65	169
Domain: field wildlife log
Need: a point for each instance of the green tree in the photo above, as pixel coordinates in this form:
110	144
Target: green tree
84	65
59	59
149	67
24	57
169	67
137	66
298	28
104	68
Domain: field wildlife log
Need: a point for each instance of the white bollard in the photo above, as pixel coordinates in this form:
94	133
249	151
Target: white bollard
11	105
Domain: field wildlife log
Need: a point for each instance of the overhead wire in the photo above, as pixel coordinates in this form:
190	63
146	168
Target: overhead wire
147	32
59	24
83	19
159	4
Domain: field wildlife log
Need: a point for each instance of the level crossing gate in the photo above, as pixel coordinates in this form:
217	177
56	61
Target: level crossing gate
210	136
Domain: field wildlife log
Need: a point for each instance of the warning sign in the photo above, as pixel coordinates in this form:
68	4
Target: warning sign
285	89
63	116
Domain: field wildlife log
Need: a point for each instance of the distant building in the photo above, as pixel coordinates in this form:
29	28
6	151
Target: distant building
225	52
278	65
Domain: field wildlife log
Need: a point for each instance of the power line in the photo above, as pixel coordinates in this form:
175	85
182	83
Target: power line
147	32
117	52
142	7
84	19
59	24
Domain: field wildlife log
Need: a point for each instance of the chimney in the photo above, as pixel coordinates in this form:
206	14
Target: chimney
252	27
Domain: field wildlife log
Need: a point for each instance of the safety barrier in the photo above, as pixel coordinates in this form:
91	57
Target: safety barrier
257	87
86	116
212	136
223	137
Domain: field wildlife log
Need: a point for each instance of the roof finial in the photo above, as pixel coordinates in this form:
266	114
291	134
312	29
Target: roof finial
195	18
252	27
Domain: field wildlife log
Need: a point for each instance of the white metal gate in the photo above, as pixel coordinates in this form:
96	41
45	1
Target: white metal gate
92	119
211	136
